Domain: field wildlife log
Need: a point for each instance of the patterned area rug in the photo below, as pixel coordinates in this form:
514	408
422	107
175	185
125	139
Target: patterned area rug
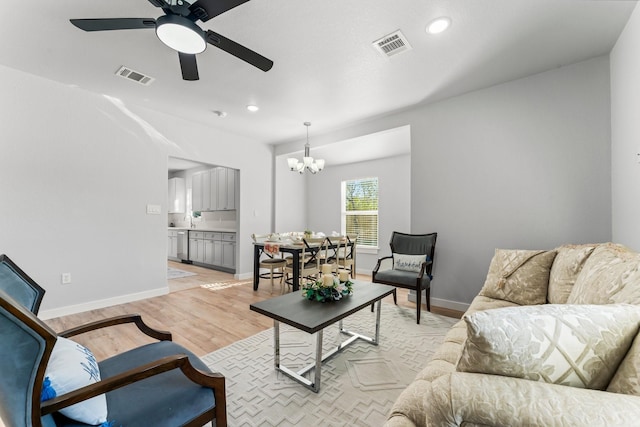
224	285
174	273
358	386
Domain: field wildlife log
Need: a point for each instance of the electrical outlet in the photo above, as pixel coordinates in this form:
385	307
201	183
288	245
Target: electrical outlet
66	278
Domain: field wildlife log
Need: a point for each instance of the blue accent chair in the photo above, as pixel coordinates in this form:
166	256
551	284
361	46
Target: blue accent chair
18	285
161	384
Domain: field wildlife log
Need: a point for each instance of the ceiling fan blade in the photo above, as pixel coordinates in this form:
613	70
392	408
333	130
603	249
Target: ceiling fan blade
103	24
189	66
239	51
214	8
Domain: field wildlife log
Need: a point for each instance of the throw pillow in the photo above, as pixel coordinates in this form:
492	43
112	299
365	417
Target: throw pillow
72	366
574	345
627	377
519	276
565	269
610	269
406	262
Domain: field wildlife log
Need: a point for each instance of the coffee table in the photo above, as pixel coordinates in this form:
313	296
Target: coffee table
312	317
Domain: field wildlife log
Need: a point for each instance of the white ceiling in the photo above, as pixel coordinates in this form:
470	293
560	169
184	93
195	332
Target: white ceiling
326	70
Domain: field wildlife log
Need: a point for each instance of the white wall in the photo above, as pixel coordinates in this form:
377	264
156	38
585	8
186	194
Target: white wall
524	164
290	204
78	170
394	178
625	134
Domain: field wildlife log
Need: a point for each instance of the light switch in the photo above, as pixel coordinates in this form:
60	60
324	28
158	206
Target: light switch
153	210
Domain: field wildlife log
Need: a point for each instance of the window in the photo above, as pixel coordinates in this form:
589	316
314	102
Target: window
360	210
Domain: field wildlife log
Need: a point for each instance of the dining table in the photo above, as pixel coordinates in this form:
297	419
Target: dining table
291	247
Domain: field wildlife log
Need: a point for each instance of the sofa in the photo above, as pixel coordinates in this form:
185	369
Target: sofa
550	340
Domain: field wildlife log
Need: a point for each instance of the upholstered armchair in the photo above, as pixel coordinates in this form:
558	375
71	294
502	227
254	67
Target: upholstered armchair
48	380
18	285
409	265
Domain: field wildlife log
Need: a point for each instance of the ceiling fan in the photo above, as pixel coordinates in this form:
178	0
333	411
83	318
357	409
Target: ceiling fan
178	30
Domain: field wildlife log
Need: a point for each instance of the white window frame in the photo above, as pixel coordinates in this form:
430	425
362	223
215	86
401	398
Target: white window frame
343	215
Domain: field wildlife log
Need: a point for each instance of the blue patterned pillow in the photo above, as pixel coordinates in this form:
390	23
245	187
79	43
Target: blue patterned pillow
72	366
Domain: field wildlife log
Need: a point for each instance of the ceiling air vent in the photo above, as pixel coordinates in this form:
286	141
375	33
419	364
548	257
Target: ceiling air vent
136	76
392	44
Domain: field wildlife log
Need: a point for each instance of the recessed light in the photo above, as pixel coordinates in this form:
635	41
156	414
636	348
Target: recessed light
438	25
252	108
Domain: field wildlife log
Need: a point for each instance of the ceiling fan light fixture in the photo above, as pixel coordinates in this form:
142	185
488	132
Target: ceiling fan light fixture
181	34
439	25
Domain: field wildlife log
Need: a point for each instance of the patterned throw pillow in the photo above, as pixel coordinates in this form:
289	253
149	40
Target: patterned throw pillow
406	262
574	345
72	366
519	276
565	269
610	275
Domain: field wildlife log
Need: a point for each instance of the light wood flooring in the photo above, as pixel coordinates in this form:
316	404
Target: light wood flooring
200	319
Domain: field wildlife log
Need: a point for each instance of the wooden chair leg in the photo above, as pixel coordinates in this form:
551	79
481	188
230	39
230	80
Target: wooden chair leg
428	299
395	297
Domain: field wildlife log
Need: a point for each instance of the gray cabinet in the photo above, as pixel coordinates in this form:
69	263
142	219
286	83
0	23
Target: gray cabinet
213	249
177	195
172	245
196	246
196	192
214	190
226	189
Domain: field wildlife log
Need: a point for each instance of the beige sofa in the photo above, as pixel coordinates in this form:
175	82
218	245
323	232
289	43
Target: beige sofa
508	362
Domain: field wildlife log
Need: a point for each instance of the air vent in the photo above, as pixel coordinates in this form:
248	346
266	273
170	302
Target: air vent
392	44
136	76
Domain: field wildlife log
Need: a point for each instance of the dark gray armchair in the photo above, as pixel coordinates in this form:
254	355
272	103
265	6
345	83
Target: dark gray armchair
409	265
157	384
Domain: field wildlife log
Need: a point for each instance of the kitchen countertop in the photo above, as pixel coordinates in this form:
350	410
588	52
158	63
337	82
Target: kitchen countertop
218	230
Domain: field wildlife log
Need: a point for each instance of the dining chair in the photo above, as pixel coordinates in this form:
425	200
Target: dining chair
409	266
309	268
346	253
49	380
275	264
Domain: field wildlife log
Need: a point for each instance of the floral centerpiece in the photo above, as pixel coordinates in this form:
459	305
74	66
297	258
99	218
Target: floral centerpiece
328	287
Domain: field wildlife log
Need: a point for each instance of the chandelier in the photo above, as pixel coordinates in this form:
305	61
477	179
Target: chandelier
308	163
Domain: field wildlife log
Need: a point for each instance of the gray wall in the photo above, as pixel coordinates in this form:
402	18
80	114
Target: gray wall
524	164
625	134
78	170
394	181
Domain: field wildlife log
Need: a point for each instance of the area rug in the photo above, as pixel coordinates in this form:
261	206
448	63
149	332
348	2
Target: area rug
358	385
174	273
224	285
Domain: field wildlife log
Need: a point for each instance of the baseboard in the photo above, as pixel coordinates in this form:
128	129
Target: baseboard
243	276
438	302
107	302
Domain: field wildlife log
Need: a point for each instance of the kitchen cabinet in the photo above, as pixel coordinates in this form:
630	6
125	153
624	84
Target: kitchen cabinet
172	245
196	247
214	190
177	195
209	249
213	249
226	189
229	254
196	192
